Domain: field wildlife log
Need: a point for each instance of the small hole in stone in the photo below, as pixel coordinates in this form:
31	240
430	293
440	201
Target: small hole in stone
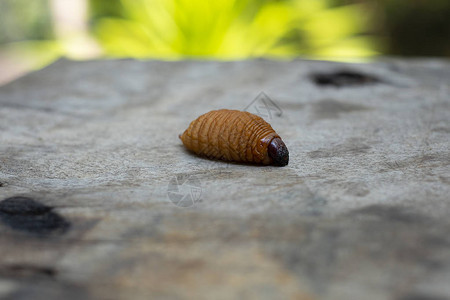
343	78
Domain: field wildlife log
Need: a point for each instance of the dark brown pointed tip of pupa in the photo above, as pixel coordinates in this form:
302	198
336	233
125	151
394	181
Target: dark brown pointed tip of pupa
278	152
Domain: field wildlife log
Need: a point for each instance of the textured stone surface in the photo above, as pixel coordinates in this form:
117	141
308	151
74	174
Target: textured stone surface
360	212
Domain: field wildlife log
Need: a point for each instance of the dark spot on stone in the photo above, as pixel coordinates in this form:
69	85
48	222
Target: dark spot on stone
44	289
2	184
421	297
23	270
315	252
27	215
441	129
418	161
436	241
356	189
332	109
444	179
343	78
390	214
353	146
23	206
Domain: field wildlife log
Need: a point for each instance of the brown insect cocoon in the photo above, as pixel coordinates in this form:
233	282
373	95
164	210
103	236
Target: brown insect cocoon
234	135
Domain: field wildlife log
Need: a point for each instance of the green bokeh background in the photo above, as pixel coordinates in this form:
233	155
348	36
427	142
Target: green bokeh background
234	29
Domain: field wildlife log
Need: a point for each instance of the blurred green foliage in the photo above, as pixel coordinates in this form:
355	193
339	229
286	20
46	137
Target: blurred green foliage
26	33
24	20
230	29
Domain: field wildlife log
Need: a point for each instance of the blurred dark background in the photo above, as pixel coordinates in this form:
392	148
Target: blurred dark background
35	33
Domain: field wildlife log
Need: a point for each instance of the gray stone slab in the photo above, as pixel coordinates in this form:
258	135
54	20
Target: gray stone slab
360	212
